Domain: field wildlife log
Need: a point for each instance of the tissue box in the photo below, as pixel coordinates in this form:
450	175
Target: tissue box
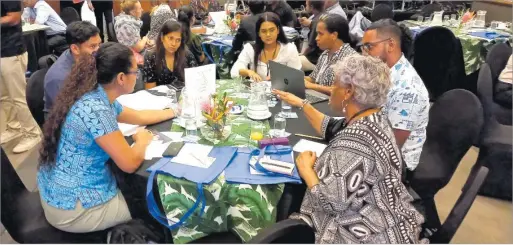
274	141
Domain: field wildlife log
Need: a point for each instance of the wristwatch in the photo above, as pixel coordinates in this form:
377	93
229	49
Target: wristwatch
303	103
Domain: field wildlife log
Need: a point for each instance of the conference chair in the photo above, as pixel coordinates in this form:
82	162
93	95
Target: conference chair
111	33
455	121
34	94
69	15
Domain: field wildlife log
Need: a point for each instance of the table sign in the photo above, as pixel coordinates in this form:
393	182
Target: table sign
201	78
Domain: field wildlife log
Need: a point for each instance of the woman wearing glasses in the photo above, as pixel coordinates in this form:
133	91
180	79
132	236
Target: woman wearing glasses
332	37
271	44
78	191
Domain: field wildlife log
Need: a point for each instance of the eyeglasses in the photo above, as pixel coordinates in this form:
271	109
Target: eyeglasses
131	72
368	46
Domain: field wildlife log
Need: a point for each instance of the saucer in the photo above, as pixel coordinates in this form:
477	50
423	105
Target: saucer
267	116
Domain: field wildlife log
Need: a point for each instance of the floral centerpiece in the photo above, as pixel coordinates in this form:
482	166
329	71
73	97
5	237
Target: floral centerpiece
465	16
216	112
232	23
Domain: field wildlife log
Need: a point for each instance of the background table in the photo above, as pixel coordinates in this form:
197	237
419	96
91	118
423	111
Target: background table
35	39
133	186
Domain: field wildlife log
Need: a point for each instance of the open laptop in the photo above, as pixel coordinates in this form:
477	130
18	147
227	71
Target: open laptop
293	81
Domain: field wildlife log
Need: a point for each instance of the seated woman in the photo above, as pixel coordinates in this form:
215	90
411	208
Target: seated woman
159	15
127	26
332	37
193	41
78	191
166	62
271	44
355	193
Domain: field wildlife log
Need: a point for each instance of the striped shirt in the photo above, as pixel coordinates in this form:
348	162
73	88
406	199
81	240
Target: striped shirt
43	14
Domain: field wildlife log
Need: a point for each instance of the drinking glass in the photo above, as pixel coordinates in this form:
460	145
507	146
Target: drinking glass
447	20
280	123
171	95
494	24
285	109
420	19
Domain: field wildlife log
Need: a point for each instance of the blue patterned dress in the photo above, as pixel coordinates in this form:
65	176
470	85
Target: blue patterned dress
80	173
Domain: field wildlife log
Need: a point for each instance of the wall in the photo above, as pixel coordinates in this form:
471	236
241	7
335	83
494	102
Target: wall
500	10
147	5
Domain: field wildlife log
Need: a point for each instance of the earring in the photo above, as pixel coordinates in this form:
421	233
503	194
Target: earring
344	105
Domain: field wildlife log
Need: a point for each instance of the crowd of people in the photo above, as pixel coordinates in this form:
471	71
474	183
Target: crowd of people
355	193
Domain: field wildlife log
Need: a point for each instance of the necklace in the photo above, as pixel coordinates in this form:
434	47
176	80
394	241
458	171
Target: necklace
272	58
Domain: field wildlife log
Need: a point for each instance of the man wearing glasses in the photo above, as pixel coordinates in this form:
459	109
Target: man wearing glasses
408	100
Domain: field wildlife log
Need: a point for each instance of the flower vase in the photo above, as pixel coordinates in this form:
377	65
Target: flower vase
216	132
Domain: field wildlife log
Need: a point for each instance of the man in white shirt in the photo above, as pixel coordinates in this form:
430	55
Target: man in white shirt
333	7
408	100
40	12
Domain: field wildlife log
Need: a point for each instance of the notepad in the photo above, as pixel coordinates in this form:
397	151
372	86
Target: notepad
155	149
195	155
307	145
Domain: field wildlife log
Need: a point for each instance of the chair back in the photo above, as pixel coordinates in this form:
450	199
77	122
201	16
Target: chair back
35	93
12	188
428	9
146	24
493	131
111	33
382	11
47	61
69	15
497	59
438	60
461	208
455	121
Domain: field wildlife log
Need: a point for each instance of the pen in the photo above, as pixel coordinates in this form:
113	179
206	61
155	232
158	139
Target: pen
309	136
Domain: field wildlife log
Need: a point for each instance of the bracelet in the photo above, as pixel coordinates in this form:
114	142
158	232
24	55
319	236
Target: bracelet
304	102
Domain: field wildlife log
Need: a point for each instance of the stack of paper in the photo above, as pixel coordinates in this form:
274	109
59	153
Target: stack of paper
307	145
195	155
155	149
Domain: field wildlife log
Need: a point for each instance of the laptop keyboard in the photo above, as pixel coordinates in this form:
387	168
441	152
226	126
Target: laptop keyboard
314	99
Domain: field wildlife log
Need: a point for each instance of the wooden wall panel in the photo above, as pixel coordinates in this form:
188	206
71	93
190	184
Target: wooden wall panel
147	5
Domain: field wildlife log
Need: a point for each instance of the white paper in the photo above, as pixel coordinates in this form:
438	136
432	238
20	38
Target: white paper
201	79
129	129
161	89
210	31
155	149
143	100
218	18
174	136
195	155
307	145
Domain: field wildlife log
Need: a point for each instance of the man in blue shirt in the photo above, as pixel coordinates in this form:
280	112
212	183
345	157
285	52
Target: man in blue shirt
83	38
40	12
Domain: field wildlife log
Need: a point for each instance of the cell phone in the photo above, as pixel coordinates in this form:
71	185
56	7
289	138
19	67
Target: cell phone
173	149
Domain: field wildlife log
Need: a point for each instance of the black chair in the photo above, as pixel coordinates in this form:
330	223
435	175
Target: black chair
69	15
455	121
23	216
439	60
497	59
34	94
382	11
495	143
146	24
427	10
287	231
460	209
47	61
111	33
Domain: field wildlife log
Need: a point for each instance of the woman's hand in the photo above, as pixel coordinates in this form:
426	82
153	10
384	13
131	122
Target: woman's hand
305	22
143	136
254	76
309	85
305	163
289	98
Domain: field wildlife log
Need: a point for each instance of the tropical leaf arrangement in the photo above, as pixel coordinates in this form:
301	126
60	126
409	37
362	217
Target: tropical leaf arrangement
233	23
216	111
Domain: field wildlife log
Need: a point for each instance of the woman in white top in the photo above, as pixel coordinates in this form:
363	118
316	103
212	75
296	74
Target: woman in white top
271	44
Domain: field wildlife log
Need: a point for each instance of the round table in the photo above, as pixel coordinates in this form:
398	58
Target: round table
133	186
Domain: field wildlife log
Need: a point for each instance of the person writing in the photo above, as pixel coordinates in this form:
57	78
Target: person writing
165	64
355	193
332	37
78	191
271	44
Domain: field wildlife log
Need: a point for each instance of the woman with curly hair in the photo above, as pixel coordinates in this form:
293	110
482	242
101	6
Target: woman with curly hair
78	191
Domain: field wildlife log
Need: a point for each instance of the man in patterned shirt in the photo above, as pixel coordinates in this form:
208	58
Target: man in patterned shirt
408	99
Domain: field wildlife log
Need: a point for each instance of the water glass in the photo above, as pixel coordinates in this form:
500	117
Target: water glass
280	123
494	24
191	130
171	95
420	19
446	20
286	109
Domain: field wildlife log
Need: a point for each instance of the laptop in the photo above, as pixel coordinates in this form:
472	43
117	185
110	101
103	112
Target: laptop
291	80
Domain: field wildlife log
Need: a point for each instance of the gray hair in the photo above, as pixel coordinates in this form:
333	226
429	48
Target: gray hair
369	76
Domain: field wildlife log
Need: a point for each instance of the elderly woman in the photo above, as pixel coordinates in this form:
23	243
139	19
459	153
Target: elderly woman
355	193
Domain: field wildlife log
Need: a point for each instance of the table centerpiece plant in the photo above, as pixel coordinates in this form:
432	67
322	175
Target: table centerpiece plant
232	23
216	112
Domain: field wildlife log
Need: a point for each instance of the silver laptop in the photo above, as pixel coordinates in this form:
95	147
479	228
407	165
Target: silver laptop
293	81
